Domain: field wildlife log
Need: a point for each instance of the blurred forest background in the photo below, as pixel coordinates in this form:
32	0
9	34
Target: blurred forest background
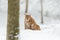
51	14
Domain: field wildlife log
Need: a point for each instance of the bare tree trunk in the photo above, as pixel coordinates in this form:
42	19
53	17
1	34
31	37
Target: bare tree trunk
42	11
26	11
13	20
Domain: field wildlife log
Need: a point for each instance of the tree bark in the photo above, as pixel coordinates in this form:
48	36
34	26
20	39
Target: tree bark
42	11
13	20
26	11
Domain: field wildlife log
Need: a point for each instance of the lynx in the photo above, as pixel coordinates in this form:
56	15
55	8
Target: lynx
30	23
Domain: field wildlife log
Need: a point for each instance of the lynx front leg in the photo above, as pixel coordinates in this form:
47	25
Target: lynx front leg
27	25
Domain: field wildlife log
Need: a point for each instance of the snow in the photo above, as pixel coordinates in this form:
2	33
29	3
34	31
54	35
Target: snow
3	19
38	35
50	30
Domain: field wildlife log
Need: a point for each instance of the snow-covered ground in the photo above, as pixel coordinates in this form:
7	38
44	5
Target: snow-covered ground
50	30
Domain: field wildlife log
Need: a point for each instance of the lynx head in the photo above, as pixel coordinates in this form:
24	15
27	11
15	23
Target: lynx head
27	17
